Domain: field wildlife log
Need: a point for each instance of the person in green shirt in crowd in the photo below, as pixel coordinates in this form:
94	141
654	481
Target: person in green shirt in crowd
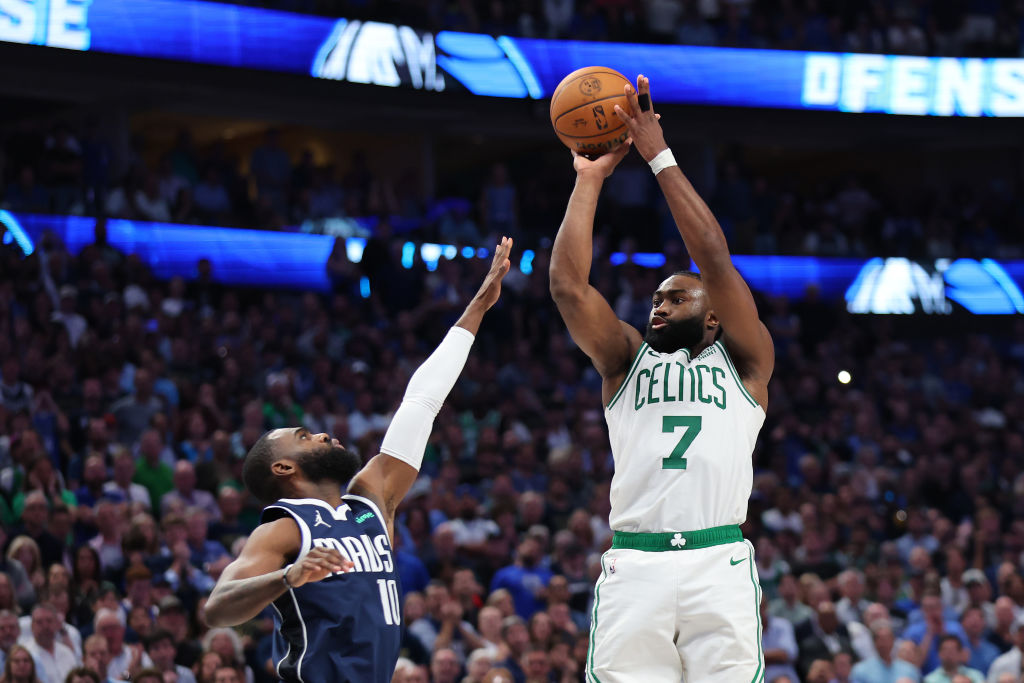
150	471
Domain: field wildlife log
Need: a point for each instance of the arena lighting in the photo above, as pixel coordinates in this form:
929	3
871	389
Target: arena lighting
844	377
390	55
291	260
15	233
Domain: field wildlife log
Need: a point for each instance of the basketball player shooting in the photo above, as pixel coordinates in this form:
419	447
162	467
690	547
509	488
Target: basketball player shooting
324	559
678	597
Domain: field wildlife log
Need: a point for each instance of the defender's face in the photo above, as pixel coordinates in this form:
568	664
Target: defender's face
318	456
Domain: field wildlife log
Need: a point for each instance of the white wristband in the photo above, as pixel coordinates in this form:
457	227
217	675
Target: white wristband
663	160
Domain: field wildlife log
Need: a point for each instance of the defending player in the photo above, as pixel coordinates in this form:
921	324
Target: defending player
678	595
323	558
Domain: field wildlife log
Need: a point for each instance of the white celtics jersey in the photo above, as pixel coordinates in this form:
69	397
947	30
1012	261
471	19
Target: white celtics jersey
682	434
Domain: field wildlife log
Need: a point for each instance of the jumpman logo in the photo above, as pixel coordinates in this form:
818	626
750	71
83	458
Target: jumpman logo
320	520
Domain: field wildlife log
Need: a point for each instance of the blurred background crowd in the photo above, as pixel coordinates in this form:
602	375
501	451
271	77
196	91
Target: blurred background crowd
886	512
840	211
986	28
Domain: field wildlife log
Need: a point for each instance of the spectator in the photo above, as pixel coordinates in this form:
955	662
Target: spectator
185	493
526	579
20	666
927	632
122	487
516	638
110	624
96	657
134	413
982	652
108	542
160	648
823	637
54	658
82	674
150	470
10	632
58	597
1010	662
883	667
444	666
779	645
852	605
951	663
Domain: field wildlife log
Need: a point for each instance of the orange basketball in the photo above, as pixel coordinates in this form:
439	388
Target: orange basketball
583	110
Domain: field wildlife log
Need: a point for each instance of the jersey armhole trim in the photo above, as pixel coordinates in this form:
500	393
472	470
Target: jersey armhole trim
736	375
632	368
307	536
373	506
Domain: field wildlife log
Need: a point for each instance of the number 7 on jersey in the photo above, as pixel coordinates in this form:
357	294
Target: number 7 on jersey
691	427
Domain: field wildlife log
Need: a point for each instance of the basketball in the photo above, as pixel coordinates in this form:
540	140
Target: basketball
583	110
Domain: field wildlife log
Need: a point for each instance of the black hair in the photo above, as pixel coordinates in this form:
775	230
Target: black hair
950	636
688	273
156	636
256	471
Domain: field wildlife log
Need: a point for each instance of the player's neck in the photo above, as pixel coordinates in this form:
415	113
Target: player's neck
327	491
699	347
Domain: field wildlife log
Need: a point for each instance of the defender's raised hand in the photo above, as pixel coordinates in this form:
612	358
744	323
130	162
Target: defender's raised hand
643	124
490	290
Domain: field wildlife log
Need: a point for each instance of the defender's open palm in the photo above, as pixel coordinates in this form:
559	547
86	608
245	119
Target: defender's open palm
490	290
317	565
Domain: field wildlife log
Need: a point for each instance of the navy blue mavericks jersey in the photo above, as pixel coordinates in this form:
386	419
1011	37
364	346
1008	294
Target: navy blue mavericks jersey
347	627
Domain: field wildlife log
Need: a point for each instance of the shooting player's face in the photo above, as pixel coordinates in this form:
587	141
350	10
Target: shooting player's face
679	312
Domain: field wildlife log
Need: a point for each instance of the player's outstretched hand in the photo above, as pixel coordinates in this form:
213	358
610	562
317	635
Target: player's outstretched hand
490	290
643	124
604	164
317	565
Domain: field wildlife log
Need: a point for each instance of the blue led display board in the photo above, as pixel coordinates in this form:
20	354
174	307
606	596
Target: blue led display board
390	55
299	261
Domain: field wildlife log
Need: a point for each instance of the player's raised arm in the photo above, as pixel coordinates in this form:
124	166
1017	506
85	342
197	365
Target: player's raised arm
609	342
745	336
388	476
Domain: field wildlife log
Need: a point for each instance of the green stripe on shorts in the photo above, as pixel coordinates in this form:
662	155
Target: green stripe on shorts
677	540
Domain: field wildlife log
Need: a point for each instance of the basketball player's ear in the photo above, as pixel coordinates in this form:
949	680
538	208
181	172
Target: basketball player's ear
282	468
711	320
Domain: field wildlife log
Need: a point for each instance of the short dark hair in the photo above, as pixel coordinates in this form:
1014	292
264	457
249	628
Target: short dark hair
256	470
156	636
950	636
688	273
148	673
81	671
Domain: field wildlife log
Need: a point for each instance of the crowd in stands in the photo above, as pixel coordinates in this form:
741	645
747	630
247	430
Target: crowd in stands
957	28
887	513
64	169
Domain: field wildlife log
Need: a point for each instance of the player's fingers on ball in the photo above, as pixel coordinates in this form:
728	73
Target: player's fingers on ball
623	115
631	98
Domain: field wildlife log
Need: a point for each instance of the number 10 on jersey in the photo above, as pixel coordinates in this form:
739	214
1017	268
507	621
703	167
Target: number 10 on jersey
389	601
691	428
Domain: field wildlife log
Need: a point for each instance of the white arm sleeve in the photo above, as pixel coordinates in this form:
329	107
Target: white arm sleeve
407	436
